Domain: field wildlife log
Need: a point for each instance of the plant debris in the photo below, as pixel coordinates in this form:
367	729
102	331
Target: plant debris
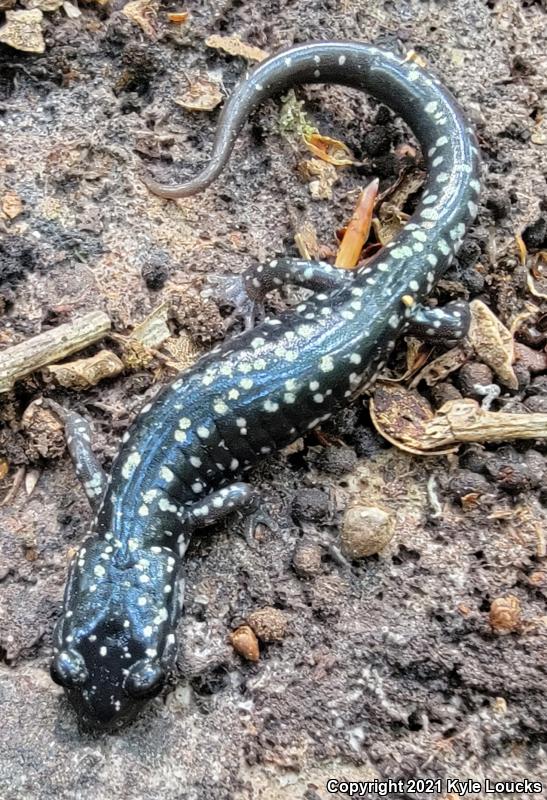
203	94
22	359
358	228
333	151
235	47
492	342
23	30
11	205
87	372
143	13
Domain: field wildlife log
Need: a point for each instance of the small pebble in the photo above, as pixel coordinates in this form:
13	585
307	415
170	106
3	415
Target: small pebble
337	460
310	504
465	482
472	375
307	560
444	392
268	623
245	643
366	530
505	614
535	234
515	472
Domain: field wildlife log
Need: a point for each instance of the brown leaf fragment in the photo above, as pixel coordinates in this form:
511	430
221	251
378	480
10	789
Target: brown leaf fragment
441	367
23	30
86	372
307	242
202	94
153	330
492	342
182	350
143	13
333	151
235	47
12	205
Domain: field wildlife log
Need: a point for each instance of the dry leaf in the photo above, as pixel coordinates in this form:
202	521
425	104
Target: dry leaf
441	367
306	242
12	205
358	228
144	14
492	342
182	351
401	416
153	330
202	94
23	31
235	47
333	151
31	479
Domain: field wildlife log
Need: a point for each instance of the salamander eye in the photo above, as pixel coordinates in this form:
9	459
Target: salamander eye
145	679
68	669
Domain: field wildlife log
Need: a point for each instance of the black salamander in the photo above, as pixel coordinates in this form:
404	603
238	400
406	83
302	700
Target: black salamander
180	466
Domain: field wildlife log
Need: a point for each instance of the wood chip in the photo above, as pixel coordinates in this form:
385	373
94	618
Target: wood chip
86	372
492	342
178	17
235	47
22	359
202	94
441	367
12	205
23	31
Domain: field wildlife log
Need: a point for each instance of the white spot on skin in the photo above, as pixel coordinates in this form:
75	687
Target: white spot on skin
342	60
180	436
431	107
167	474
437	161
355	358
130	465
414	285
326	364
99	571
270	406
103	651
195	461
142	600
143	510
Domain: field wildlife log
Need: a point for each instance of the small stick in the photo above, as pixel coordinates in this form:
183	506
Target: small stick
22	359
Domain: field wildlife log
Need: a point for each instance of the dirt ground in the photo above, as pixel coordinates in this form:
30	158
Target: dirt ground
389	666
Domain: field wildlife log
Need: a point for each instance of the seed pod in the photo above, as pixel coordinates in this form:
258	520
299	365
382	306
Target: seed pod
245	643
505	614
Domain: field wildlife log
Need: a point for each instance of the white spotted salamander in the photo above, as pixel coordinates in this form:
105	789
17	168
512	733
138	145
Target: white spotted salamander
180	466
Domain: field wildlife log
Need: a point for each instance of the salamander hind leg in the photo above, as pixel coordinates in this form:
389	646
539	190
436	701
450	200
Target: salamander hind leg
78	438
246	292
447	323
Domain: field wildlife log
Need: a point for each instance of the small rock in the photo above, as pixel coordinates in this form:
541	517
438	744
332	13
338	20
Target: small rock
472	375
537	404
307	560
516	472
535	234
377	141
245	643
155	272
469	253
310	504
368	443
466	482
268	623
505	614
337	460
366	530
23	31
444	392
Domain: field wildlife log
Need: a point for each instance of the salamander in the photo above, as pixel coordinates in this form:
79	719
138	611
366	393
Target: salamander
182	464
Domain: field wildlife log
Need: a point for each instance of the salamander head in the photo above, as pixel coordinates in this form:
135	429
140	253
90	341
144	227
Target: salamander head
115	643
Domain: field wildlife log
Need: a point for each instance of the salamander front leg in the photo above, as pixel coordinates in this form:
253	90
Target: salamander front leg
241	497
448	323
246	292
78	439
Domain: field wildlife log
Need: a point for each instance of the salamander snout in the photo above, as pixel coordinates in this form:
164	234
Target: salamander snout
107	697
